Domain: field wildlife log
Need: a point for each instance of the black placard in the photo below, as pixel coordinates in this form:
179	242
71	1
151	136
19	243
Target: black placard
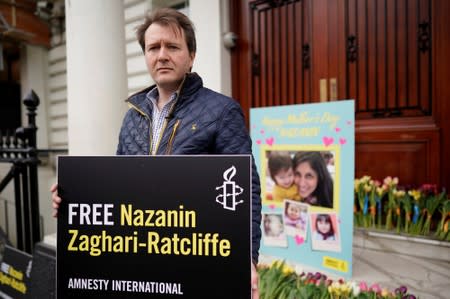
15	268
154	227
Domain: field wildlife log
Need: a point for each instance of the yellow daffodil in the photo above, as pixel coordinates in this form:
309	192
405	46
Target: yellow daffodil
416	194
287	270
399	193
365	179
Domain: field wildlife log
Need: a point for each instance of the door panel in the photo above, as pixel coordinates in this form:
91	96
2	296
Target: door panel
376	52
389	58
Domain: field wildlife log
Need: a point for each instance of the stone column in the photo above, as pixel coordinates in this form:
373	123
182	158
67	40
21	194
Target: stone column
212	62
33	75
96	75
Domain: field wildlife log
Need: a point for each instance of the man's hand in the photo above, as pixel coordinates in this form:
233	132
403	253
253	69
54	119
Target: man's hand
255	280
56	200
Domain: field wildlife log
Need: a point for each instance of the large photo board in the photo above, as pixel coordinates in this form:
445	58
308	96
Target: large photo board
305	157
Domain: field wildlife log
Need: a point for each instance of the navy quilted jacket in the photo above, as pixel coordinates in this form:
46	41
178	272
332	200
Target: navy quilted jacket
201	122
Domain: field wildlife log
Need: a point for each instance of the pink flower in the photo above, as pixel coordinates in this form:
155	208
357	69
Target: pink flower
376	288
363	287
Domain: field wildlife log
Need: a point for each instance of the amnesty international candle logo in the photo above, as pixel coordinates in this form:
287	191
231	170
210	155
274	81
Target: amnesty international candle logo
146	227
230	190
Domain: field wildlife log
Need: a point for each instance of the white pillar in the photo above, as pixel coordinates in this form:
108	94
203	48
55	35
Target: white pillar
96	75
33	75
212	62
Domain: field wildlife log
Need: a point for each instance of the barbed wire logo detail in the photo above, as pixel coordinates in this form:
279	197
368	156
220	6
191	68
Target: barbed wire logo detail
230	190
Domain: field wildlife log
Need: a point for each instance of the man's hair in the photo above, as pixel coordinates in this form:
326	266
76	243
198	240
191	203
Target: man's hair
168	17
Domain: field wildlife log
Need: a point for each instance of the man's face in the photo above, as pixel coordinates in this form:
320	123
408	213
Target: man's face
167	55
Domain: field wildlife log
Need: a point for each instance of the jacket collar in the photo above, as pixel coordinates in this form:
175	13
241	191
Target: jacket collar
190	85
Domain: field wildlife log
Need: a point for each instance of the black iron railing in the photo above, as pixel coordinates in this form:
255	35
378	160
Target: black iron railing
19	149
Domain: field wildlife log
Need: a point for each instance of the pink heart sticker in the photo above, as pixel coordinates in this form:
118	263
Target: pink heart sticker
342	141
299	240
258	141
327	140
337	129
262	131
272	207
270	141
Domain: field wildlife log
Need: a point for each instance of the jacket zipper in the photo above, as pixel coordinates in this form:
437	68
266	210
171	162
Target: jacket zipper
165	124
172	136
166	121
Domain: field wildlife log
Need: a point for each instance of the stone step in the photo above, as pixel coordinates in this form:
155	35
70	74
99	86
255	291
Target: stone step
402	244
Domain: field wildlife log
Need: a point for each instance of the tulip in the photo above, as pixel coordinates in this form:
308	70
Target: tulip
317	276
401	290
335	285
387	180
287	270
311	281
363	287
365	179
376	288
356	291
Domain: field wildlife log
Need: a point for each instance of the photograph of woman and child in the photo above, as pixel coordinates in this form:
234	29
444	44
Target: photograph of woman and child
301	176
299	180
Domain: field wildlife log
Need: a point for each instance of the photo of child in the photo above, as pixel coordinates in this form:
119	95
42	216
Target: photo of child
273	230
282	173
295	218
325	232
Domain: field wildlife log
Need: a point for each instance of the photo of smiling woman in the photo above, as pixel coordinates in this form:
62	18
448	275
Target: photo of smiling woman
313	179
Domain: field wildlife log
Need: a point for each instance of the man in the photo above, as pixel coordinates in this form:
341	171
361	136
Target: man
178	116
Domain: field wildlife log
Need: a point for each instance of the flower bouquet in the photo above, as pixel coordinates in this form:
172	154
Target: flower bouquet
412	211
279	281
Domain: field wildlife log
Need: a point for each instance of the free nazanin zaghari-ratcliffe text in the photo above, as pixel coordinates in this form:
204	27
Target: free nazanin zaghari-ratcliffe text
203	244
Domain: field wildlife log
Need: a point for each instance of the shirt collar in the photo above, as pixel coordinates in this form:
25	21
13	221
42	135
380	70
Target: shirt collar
153	96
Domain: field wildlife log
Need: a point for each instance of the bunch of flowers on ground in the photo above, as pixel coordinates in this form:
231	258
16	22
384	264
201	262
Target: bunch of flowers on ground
279	281
389	206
